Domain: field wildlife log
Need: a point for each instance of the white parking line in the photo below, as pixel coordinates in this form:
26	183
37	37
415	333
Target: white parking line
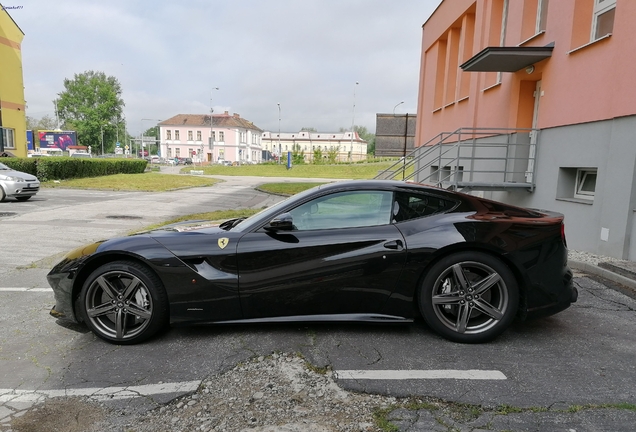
100	394
470	374
13	289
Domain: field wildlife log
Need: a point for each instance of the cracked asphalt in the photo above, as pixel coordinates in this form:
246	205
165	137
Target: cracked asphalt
573	371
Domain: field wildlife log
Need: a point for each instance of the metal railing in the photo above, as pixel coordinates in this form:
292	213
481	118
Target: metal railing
472	158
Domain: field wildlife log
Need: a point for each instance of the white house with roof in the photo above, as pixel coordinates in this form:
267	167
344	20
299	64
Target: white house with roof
225	137
349	147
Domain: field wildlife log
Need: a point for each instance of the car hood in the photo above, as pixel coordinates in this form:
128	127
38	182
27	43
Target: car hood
13	173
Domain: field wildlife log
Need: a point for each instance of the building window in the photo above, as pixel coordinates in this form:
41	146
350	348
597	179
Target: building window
222	136
176	135
8	137
585	183
198	135
603	22
542	15
221	154
168	134
177	151
189	135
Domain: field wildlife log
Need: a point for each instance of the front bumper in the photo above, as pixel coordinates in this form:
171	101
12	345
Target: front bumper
20	189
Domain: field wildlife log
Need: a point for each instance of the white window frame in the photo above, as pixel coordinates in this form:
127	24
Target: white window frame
199	135
168	134
177	135
581	176
600	7
8	135
542	6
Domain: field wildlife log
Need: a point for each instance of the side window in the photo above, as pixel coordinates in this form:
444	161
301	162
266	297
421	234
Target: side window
344	210
411	205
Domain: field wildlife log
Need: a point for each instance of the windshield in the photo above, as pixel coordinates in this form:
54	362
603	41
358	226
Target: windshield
4	167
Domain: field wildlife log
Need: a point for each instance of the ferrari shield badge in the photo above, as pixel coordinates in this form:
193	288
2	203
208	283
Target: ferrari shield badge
223	241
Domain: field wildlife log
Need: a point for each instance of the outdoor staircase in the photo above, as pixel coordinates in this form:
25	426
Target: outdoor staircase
468	159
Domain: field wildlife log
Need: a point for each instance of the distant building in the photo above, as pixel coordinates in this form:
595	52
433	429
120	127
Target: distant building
394	134
12	116
531	102
228	138
348	147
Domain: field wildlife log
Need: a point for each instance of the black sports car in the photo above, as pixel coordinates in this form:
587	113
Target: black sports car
374	251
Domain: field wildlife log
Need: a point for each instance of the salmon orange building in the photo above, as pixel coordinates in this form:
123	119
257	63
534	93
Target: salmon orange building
537	100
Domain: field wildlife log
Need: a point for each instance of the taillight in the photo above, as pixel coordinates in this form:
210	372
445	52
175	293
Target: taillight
563	234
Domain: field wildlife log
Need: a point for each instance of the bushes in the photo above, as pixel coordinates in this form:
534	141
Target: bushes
60	168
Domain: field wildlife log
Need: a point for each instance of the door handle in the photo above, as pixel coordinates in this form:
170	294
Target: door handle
395	245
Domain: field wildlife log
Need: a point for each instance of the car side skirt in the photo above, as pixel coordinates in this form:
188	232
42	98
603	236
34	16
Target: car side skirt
369	318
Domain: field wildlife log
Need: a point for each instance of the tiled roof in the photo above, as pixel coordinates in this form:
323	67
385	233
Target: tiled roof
220	120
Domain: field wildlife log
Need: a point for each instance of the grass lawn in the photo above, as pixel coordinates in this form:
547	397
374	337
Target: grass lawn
287	189
146	182
214	216
338	171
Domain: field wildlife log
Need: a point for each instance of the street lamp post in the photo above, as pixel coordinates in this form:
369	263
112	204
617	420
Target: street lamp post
101	129
397	106
353	119
211	139
280	150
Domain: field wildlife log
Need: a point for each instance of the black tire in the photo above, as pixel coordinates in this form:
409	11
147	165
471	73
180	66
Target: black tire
23	198
123	302
469	297
2	194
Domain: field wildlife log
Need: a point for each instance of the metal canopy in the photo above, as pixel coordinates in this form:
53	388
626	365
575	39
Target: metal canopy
506	59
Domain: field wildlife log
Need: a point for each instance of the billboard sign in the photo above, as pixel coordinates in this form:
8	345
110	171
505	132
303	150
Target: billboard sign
57	139
30	145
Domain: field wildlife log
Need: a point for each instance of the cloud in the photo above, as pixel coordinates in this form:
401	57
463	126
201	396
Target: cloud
305	55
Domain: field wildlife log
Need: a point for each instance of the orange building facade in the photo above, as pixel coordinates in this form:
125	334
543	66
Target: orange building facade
560	69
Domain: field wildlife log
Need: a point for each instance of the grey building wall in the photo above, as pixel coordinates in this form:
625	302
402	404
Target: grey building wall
610	147
394	134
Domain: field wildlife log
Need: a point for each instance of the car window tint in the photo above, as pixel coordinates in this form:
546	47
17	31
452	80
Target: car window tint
414	205
344	210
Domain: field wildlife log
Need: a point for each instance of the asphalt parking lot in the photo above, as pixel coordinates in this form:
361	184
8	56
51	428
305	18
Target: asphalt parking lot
582	357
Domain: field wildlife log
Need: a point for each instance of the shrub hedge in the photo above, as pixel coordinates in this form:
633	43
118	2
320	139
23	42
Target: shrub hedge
61	168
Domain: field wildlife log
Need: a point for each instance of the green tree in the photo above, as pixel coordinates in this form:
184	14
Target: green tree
44	123
318	156
332	154
298	155
364	133
308	129
91	104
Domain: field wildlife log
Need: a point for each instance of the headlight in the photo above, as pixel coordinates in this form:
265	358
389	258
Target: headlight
15	179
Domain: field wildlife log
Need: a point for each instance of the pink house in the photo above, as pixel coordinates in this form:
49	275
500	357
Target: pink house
227	137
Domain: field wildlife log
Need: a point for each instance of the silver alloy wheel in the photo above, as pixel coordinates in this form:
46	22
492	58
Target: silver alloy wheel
119	305
470	297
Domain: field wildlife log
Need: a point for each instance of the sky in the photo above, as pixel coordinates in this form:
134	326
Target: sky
316	58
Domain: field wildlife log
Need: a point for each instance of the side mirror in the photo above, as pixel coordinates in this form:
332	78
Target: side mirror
282	222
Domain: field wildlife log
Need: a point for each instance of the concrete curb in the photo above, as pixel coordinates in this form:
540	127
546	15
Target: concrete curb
601	272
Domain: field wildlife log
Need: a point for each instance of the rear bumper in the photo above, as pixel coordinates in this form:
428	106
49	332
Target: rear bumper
568	295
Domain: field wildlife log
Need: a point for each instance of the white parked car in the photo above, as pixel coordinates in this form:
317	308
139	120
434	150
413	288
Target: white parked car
16	184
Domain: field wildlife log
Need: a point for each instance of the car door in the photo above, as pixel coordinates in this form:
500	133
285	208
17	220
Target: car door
342	256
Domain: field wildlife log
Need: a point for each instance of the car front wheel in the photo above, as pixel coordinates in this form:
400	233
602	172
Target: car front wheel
123	302
469	297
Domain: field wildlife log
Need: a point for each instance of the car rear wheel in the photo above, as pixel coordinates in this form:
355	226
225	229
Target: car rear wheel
2	194
123	302
469	297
